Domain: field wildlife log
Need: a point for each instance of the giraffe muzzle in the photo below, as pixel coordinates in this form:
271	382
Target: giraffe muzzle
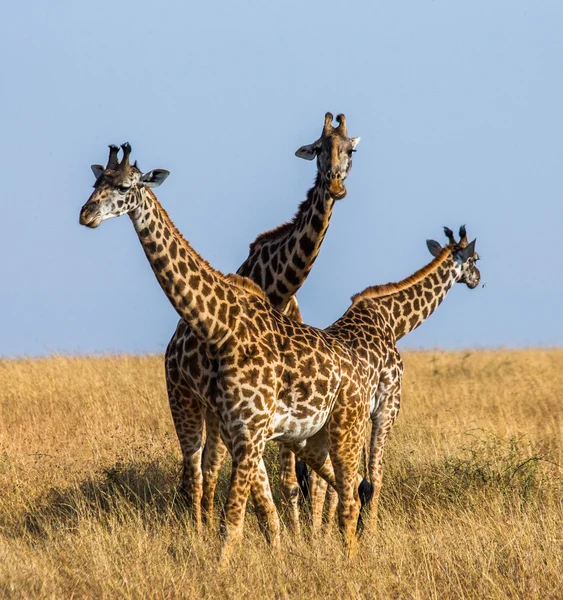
90	216
336	188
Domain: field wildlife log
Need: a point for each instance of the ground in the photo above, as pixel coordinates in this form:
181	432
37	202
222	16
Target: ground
471	505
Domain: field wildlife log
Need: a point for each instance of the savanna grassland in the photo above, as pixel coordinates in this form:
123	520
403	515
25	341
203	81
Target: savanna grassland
471	505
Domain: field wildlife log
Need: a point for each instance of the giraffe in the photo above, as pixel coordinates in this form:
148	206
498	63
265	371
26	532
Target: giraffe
379	317
275	378
279	261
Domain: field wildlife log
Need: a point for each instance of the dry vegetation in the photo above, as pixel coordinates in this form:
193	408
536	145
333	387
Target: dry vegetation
471	505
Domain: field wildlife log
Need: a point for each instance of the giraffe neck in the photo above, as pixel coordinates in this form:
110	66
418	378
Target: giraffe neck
410	302
202	296
280	260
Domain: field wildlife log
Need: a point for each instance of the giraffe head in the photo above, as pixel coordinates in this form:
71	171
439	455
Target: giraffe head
334	155
117	186
463	252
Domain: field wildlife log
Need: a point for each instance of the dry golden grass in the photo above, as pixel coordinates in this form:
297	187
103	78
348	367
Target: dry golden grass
471	504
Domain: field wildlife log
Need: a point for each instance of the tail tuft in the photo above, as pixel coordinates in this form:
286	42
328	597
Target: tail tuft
366	491
302	474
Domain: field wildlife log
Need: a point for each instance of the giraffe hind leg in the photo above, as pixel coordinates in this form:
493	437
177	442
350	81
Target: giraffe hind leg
331	507
346	430
247	453
346	462
289	487
214	455
382	422
268	519
318	487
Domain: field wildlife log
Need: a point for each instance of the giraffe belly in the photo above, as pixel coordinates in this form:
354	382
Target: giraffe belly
287	427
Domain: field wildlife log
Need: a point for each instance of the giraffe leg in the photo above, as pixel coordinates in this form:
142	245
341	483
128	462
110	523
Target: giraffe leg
213	456
346	463
331	503
264	506
349	501
289	487
382	422
247	453
317	494
314	451
346	431
341	474
187	414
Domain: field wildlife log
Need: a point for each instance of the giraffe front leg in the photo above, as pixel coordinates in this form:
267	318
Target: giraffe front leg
346	430
289	487
213	456
187	414
247	450
266	512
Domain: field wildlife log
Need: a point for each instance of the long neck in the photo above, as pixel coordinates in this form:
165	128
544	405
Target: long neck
280	260
408	303
199	294
410	307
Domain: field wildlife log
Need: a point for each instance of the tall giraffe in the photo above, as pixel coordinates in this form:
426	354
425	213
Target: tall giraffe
279	261
275	378
379	317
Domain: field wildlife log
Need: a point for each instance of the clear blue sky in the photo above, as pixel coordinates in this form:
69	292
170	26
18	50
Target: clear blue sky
459	106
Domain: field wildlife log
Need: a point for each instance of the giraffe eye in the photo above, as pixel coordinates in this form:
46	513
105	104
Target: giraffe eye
123	189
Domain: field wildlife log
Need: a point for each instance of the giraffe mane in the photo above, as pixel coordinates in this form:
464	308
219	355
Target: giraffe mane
378	291
179	235
240	282
284	228
246	284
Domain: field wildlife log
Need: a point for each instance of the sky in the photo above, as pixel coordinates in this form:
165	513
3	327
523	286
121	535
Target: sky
459	106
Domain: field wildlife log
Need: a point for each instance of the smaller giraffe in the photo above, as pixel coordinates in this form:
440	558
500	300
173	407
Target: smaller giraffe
408	308
378	318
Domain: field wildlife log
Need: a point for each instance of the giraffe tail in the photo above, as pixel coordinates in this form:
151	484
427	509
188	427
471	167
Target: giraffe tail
302	475
365	489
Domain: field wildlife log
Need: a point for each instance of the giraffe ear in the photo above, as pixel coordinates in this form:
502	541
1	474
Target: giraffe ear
155	177
97	170
308	152
434	247
463	254
355	141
